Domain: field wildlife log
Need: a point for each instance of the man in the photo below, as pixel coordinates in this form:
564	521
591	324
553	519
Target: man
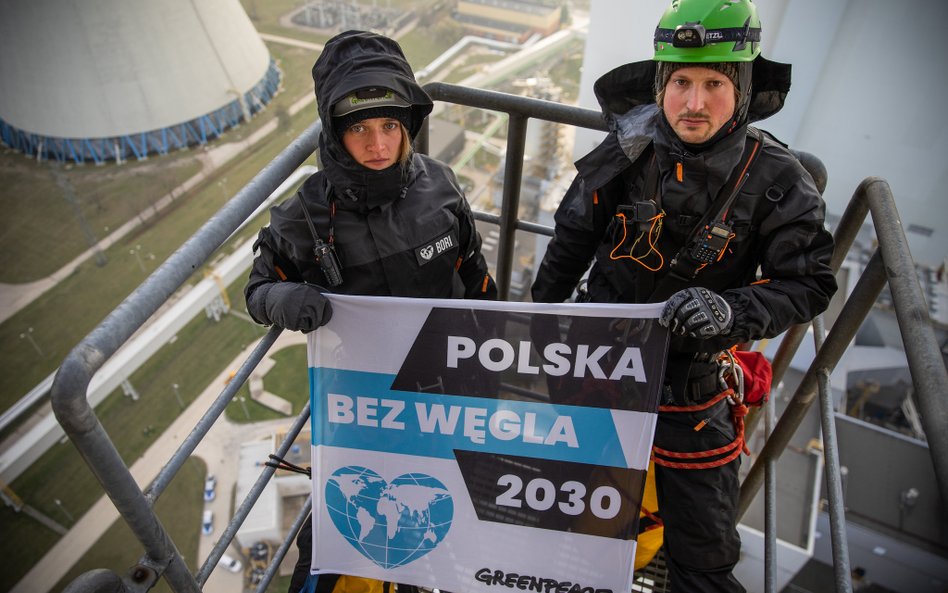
685	202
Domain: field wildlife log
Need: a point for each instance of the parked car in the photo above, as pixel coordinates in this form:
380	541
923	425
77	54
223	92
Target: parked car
210	485
260	551
230	563
207	522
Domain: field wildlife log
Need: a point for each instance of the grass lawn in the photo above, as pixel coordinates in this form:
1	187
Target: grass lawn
52	212
473	62
288	379
179	510
566	70
422	46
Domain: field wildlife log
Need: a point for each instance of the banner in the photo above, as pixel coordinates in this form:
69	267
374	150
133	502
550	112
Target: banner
479	446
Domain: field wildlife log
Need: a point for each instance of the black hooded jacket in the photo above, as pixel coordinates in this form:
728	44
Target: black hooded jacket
404	231
775	270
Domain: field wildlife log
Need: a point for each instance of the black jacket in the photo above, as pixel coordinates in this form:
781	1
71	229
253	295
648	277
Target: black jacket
405	231
782	238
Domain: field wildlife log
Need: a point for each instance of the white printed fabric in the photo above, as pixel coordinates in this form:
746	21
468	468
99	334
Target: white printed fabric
481	446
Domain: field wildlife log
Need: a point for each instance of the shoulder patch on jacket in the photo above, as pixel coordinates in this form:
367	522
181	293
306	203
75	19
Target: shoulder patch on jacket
432	249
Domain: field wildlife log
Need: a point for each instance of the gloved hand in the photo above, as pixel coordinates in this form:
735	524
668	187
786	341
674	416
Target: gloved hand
697	313
297	307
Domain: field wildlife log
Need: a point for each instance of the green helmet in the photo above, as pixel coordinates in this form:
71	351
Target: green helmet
708	31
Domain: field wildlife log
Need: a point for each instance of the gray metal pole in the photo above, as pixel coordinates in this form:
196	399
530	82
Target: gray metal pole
845	233
190	443
770	507
929	376
513	174
834	486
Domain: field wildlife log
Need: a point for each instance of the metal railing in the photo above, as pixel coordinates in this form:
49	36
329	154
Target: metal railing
136	506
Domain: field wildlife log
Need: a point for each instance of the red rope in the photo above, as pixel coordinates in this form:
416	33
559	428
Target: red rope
655	518
732	449
698	407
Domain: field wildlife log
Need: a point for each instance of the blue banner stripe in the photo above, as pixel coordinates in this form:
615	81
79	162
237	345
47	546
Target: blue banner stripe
357	409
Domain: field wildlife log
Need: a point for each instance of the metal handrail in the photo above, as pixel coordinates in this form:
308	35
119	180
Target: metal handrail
834	483
71	384
135	506
892	263
520	110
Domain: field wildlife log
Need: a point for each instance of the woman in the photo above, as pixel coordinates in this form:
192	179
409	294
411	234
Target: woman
377	219
377	206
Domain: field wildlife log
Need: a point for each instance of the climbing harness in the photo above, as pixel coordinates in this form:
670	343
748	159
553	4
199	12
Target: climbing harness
734	378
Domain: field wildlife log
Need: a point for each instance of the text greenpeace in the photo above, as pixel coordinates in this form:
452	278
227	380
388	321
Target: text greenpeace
497	355
474	423
524	582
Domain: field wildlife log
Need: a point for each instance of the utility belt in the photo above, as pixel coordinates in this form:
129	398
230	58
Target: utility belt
695	391
689	381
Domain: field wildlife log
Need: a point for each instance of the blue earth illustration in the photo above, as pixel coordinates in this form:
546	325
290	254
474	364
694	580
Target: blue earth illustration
391	523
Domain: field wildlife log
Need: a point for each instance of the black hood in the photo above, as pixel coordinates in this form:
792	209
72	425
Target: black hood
356	60
632	85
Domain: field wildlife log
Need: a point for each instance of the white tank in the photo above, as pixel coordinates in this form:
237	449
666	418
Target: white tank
112	79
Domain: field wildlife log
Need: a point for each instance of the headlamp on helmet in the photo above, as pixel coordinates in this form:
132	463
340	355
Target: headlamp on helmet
688	35
708	31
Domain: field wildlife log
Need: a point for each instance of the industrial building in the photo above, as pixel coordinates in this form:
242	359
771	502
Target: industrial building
512	21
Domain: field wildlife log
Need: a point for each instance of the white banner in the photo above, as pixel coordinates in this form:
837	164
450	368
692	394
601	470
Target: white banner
479	446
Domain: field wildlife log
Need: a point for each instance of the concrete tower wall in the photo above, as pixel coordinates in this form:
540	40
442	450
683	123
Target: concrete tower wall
102	69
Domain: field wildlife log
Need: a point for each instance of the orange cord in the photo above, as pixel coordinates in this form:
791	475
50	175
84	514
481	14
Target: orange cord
732	449
723	249
652	236
740	177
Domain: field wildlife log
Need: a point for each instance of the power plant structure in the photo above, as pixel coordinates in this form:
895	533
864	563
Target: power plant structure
113	80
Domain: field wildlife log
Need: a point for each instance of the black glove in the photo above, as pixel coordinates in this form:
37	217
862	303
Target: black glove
297	307
697	313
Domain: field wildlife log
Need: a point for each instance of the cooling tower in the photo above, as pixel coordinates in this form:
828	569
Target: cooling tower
117	79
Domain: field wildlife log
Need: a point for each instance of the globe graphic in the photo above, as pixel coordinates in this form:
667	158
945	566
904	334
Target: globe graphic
391	523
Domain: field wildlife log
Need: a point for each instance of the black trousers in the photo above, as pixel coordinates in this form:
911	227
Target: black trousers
699	506
304	544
